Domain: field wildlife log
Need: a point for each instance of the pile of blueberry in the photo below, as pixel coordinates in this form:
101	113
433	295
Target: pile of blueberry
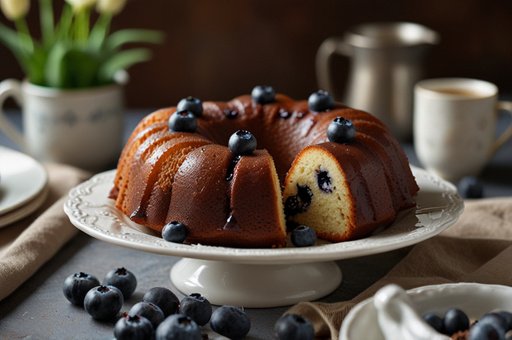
161	315
491	326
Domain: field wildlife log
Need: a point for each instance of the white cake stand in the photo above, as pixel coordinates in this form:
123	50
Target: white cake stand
260	278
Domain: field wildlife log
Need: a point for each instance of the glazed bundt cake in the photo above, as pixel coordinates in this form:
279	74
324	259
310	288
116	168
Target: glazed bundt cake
342	171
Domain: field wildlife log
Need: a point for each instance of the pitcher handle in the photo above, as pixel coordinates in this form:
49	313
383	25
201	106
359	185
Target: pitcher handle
11	88
507	134
329	48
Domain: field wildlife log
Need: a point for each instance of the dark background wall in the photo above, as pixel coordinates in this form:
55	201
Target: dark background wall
219	49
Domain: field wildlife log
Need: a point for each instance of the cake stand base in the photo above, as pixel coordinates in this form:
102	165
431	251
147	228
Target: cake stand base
255	286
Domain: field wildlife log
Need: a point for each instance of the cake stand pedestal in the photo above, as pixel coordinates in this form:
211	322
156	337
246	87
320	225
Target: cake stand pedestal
254	285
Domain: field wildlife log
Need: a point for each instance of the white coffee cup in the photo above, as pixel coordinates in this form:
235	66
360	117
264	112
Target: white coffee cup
83	128
455	125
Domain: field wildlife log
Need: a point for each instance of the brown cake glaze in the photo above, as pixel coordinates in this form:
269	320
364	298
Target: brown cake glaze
164	176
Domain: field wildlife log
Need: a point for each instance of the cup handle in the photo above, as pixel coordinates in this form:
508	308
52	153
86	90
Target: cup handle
329	48
11	88
507	134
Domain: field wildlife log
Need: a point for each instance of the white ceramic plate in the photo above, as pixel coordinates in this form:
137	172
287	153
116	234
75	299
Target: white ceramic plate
25	210
473	298
438	207
21	179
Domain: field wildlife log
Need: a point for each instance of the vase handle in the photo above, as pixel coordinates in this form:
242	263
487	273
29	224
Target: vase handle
11	88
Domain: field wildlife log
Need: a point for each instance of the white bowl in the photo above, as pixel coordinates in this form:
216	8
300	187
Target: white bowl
474	299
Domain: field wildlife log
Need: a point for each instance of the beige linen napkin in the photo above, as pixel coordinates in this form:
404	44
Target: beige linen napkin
27	244
478	248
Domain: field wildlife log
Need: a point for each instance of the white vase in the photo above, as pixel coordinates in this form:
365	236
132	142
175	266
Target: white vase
81	127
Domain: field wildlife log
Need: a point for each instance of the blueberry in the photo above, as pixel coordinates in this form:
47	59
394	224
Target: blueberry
320	101
341	130
471	187
303	236
133	327
324	181
455	320
242	142
294	327
263	94
77	285
508	318
496	320
230	322
191	104
174	232
435	321
148	310
163	298
103	302
122	279
196	307
300	202
485	331
178	327
183	121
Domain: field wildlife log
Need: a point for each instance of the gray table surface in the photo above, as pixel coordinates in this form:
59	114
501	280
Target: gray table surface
38	309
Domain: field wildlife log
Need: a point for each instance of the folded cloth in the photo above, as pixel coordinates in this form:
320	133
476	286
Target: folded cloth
478	248
27	244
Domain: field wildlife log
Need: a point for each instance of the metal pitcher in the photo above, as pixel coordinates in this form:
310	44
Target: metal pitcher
386	62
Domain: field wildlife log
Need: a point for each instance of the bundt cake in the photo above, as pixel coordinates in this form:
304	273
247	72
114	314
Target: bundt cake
342	171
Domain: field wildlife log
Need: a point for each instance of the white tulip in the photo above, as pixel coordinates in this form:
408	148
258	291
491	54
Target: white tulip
80	5
110	6
15	9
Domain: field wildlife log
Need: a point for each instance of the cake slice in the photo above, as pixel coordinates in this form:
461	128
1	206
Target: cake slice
340	190
227	200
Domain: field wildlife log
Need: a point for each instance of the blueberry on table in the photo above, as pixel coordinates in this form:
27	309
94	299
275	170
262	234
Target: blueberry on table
231	322
122	279
191	104
163	298
320	101
196	307
103	302
178	327
471	187
150	311
434	321
174	232
77	285
133	327
242	142
263	94
303	236
294	327
455	320
183	121
341	130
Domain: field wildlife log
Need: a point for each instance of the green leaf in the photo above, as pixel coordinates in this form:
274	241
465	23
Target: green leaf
119	38
55	69
122	61
46	18
72	67
83	68
99	32
11	40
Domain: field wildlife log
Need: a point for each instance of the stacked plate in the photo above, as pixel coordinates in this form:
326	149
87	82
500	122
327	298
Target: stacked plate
23	185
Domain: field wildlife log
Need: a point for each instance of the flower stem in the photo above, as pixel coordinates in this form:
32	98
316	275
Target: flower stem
46	17
24	34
